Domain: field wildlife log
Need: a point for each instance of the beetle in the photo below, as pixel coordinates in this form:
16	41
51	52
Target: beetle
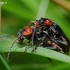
46	35
25	32
55	32
37	36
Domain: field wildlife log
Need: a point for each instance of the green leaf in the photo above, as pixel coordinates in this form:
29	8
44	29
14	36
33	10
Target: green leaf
6	42
16	14
29	66
3	64
62	66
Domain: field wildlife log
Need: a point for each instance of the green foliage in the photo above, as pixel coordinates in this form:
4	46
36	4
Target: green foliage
15	15
40	51
3	64
6	43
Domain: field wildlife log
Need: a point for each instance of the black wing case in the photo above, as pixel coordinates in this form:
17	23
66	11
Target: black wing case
63	34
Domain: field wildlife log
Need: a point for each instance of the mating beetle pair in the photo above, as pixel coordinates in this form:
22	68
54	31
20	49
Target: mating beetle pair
45	33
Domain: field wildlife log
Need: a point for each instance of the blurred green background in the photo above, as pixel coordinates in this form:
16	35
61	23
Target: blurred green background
16	14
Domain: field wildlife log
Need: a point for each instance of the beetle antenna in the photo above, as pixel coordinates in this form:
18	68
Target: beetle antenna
5	36
10	49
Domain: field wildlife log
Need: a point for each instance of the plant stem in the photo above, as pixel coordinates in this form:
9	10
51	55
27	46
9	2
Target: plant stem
42	8
63	3
0	18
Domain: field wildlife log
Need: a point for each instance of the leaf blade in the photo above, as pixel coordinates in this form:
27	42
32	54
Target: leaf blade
7	42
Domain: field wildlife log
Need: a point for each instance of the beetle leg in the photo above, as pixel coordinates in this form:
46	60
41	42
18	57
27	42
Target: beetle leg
53	44
33	36
66	43
36	44
63	39
34	48
27	46
34	30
